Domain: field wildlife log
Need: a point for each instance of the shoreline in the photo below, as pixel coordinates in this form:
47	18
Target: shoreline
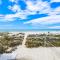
29	30
37	32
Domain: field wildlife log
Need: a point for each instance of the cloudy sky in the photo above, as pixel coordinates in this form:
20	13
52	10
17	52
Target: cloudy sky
29	14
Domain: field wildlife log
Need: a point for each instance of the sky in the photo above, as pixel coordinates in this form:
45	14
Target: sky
29	14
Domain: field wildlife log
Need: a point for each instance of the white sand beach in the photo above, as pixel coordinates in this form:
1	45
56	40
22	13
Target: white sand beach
41	53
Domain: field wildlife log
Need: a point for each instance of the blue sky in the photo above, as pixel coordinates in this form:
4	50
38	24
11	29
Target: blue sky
29	14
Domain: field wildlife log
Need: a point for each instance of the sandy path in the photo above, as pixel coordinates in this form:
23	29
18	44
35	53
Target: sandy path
40	53
37	54
24	41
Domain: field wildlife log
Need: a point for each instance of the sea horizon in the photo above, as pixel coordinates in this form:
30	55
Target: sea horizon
29	30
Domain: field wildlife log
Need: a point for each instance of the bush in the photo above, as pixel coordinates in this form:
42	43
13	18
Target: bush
34	42
7	41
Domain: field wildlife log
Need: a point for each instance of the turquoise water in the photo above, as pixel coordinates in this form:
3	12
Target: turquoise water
27	30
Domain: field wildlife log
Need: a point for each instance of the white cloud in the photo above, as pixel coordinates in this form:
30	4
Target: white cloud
38	6
1	15
16	1
54	27
11	17
7	17
32	8
55	0
45	20
55	11
12	0
14	8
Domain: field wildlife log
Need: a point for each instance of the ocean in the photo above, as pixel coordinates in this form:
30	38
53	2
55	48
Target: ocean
28	30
